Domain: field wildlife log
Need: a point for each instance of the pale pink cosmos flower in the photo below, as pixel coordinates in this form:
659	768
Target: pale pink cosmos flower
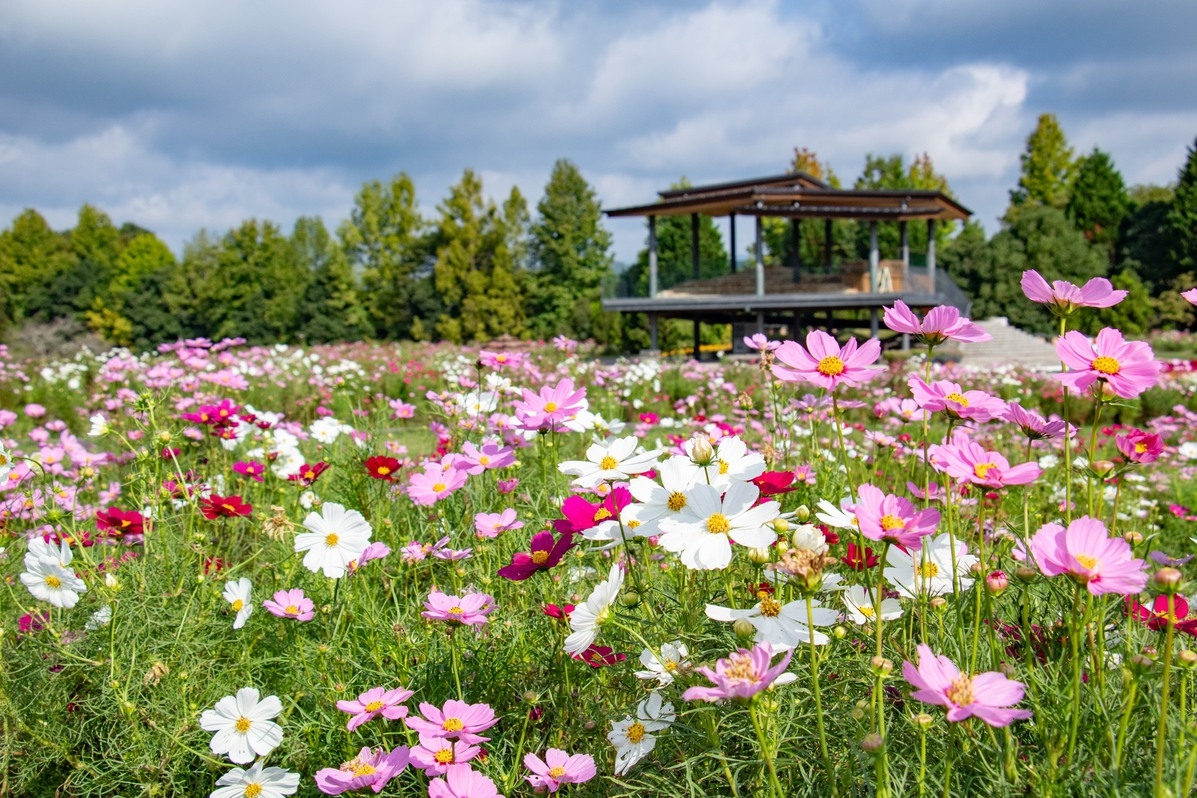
462	781
374	702
970	462
490	456
437	754
1190	295
437	482
949	397
760	343
371	768
942	323
987	696
291	604
375	551
741	676
1086	552
1035	426
884	516
825	363
1128	367
550	407
489	525
558	767
468	610
1063	298
456	719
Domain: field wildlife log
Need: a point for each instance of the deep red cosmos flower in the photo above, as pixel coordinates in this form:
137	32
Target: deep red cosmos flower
308	474
382	467
214	507
118	523
772	483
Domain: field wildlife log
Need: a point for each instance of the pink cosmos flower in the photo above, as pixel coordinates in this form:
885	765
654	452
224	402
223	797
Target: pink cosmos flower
291	604
557	768
1190	295
489	525
1086	552
500	360
490	456
250	469
1033	425
375	551
1064	298
942	323
436	754
824	363
987	696
947	396
374	702
884	516
969	462
543	554
551	407
760	343
1140	447
1128	368
741	676
456	720
462	781
468	610
437	482
371	768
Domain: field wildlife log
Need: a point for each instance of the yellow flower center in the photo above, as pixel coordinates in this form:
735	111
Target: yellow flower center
608	463
237	605
830	366
723	466
740	668
981	470
439	487
635	732
540	557
243	724
717	524
550	407
453	725
229	507
671	666
456	611
557	772
867	610
444	756
676	501
1086	560
483	460
889	522
957	398
1106	365
362	769
383	470
3	459
291	609
770	607
53	581
1140	448
961	692
633	524
602	514
331	539
928	570
253	790
374	706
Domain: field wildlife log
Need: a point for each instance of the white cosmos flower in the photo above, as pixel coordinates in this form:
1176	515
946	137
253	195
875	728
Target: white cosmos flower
928	571
809	538
49	581
633	738
732	462
6	461
782	625
663	666
270	783
704	533
237	594
835	517
587	617
615	460
99	619
244	726
99	426
859	603
666	500
40	549
337	537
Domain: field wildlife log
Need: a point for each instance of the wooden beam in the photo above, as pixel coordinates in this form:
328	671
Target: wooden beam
827	232
759	252
874	257
652	266
694	256
931	252
732	237
796	245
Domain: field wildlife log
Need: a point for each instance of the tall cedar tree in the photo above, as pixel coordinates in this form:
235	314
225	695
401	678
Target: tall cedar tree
1098	203
571	255
33	259
1182	217
330	310
1047	168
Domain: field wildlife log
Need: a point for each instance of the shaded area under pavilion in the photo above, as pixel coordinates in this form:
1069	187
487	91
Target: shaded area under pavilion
796	294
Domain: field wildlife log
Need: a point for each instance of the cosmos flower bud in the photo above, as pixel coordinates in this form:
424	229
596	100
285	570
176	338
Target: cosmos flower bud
629	598
1025	573
1102	468
840	632
997	582
1167	580
881	666
760	555
938	603
923	720
701	451
1132	537
872	743
802	513
780	525
1186	658
744	628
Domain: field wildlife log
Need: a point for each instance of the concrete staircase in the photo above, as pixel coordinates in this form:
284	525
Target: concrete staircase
1010	346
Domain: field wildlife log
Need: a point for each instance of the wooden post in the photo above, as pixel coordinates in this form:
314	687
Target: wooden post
905	255
931	252
652	331
874	257
760	322
759	254
874	327
697	339
694	259
652	270
732	238
826	246
796	243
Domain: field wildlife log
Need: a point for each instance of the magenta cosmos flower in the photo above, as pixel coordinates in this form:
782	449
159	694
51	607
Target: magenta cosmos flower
884	516
824	363
291	604
969	462
1033	425
558	767
1128	367
942	323
543	555
456	719
947	396
987	696
462	781
468	610
1086	552
741	676
371	768
374	702
1140	447
1063	298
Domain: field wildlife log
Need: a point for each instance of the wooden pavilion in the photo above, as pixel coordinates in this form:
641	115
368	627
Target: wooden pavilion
793	294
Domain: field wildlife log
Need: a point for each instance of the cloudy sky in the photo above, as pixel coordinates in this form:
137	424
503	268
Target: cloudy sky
178	115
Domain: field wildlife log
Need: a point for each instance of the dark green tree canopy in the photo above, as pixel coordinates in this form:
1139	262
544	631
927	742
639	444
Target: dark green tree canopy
1098	203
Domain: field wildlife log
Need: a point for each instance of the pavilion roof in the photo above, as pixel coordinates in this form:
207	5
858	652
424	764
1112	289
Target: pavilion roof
799	195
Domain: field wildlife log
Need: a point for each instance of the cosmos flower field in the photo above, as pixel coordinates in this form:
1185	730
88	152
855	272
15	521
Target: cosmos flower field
428	570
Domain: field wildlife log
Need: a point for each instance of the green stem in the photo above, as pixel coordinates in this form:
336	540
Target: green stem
839	431
947	762
766	754
1127	709
1074	641
1161	739
814	677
